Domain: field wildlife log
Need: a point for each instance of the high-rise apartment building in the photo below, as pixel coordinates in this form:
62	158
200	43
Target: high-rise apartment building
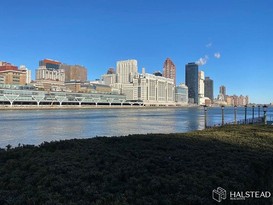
126	71
14	77
201	86
28	73
169	70
74	72
191	70
11	75
208	88
49	70
52	75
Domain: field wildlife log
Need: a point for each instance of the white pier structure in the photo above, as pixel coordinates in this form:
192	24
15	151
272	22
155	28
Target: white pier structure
13	97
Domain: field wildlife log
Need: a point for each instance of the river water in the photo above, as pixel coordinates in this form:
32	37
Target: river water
37	126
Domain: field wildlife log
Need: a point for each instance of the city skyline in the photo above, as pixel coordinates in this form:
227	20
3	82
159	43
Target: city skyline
230	40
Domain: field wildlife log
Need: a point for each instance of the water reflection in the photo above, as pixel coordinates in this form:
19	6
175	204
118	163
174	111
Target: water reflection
34	127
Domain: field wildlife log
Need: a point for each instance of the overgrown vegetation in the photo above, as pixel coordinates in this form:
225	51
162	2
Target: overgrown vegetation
140	169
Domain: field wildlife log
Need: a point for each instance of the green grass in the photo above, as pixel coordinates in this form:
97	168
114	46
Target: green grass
141	169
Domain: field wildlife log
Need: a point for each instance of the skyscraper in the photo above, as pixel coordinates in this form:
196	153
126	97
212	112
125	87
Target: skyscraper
222	90
201	86
208	88
126	70
169	70
191	70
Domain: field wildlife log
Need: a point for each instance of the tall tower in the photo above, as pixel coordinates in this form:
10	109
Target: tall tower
222	90
208	88
191	70
126	70
169	70
201	86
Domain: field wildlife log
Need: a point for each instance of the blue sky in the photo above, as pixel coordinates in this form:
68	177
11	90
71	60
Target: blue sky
97	33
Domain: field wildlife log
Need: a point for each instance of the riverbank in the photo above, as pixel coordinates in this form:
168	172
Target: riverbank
76	107
141	169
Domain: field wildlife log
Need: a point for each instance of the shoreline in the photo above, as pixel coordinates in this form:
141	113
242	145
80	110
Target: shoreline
75	107
82	107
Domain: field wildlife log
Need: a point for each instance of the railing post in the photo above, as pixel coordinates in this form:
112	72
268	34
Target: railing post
223	120
265	109
253	114
245	113
205	110
235	114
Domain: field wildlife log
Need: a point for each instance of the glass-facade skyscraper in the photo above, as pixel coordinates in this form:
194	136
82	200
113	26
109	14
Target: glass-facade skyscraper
209	88
191	70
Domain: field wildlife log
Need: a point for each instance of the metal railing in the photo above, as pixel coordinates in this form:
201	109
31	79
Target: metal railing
256	120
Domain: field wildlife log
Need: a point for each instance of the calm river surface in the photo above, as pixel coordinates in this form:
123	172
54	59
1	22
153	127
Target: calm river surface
37	126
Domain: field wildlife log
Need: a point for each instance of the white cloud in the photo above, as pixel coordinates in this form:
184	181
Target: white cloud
209	45
217	55
202	61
